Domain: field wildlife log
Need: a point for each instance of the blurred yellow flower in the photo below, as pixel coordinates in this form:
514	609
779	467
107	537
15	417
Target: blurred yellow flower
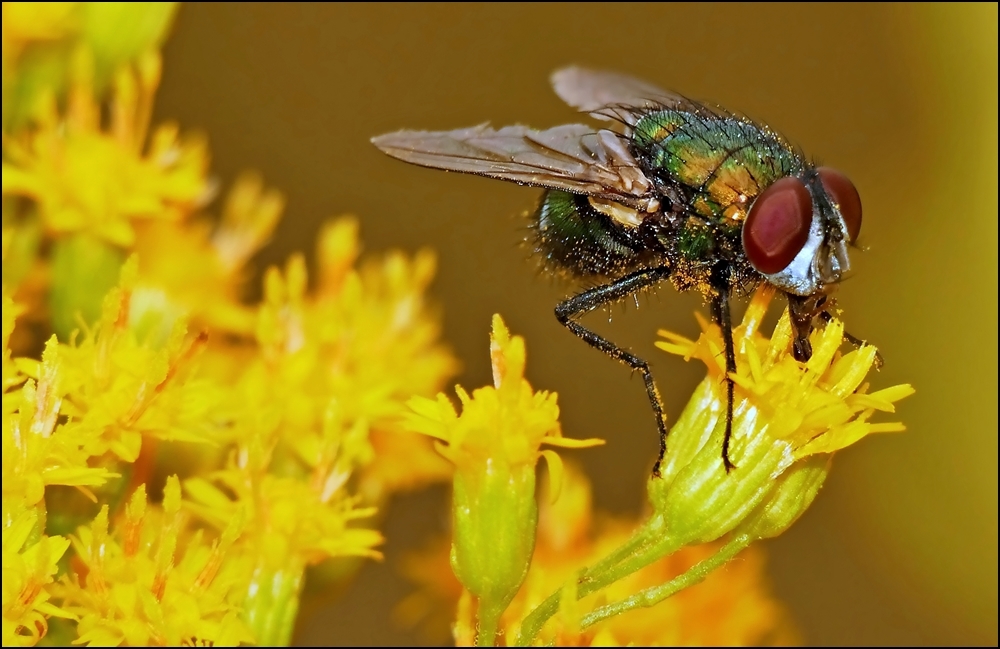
197	270
37	38
332	368
85	178
282	417
294	411
90	188
24	22
326	370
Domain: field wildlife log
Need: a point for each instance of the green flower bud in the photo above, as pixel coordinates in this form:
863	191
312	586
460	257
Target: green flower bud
495	516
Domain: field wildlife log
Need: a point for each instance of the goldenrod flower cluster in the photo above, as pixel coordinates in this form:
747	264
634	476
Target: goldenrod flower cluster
176	458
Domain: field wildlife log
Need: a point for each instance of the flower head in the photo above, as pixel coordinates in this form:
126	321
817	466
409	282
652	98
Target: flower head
495	444
99	396
788	418
504	424
89	188
36	38
84	178
329	370
140	584
29	566
198	271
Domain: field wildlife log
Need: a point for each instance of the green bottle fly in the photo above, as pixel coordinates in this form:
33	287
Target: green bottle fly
672	190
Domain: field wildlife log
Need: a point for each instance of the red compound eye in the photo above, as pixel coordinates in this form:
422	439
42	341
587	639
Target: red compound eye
778	225
843	193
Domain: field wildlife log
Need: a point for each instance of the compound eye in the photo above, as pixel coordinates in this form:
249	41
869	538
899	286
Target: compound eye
777	226
843	193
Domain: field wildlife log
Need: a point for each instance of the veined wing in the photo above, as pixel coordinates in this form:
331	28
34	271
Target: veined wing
573	158
612	96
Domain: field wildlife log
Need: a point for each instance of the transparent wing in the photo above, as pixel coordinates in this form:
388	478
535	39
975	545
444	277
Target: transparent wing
612	96
574	157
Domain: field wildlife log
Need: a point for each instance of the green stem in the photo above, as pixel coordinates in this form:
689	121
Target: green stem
634	544
657	594
535	620
488	621
595	581
636	553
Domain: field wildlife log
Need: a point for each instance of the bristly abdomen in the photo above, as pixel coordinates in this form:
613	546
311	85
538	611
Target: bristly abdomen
576	239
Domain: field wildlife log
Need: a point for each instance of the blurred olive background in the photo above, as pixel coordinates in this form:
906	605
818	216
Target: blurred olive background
901	546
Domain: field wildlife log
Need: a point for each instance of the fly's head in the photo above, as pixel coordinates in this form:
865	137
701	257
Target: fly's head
796	235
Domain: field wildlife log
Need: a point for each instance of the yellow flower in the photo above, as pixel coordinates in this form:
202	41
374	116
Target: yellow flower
38	449
344	358
85	405
36	37
325	371
77	404
151	582
29	565
788	418
495	445
83	178
120	388
506	423
297	399
24	22
88	188
197	271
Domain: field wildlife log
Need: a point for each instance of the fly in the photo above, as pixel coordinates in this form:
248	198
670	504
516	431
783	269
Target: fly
671	190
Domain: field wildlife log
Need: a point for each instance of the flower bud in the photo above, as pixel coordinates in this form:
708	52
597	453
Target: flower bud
495	516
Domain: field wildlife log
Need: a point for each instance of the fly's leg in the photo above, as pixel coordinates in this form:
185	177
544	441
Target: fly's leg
802	311
569	310
722	317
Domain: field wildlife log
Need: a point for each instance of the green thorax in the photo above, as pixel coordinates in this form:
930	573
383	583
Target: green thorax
718	163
